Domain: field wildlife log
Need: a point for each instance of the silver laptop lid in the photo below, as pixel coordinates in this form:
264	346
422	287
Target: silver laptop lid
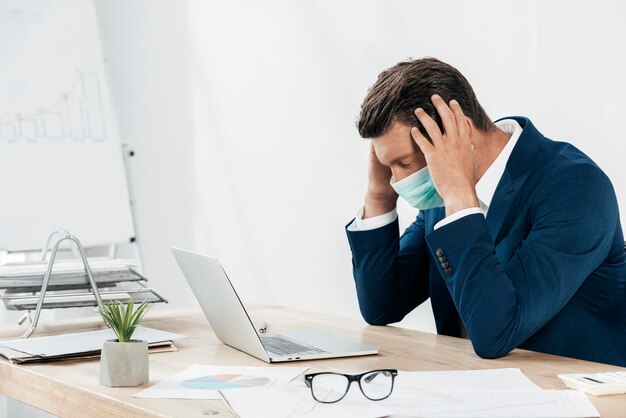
219	302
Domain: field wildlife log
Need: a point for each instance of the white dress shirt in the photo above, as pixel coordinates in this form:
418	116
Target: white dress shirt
485	187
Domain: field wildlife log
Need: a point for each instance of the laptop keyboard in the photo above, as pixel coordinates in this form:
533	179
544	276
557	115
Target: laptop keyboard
284	347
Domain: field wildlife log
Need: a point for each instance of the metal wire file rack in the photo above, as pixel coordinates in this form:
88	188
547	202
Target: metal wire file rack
38	286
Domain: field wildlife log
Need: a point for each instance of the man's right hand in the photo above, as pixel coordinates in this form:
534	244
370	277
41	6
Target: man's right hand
380	198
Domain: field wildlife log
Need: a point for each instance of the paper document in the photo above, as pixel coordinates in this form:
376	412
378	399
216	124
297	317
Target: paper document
504	393
39	268
526	404
67	273
81	342
490	380
295	400
205	381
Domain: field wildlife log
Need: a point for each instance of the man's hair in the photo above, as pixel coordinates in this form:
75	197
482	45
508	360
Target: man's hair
401	89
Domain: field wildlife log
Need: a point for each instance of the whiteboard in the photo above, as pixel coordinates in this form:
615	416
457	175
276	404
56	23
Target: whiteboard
61	162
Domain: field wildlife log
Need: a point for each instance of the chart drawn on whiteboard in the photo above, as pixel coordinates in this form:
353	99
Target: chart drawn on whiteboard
78	115
60	147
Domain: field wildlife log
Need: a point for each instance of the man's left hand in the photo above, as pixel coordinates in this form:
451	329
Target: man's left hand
450	157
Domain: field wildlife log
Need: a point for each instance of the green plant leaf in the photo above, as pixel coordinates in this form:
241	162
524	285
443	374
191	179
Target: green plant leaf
123	320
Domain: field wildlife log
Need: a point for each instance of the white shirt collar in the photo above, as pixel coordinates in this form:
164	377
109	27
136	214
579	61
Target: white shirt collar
486	186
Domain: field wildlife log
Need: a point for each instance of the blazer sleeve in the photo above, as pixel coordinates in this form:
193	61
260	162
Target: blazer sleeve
571	225
390	273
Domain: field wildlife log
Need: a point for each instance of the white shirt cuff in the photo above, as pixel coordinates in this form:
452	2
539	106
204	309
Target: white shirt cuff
456	216
368	224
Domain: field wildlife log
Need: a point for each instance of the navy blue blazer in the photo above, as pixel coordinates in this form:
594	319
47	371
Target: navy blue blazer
545	271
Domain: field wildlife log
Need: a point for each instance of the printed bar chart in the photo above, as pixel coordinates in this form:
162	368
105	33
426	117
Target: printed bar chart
78	116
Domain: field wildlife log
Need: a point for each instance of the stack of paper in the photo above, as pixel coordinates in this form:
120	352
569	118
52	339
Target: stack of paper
78	345
117	280
473	393
28	276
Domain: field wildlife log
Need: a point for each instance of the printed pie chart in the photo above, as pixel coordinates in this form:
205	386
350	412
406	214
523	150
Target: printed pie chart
225	381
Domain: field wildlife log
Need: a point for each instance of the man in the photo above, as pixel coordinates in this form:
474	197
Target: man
518	241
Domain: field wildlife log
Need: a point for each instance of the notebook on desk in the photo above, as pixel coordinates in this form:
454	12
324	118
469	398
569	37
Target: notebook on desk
232	326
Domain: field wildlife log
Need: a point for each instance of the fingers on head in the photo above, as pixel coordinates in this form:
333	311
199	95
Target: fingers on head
445	113
421	140
461	121
456	110
428	123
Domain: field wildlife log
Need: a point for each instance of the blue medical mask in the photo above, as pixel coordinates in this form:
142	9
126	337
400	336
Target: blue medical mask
418	189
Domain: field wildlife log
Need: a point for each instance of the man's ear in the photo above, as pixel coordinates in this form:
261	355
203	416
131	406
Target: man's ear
471	129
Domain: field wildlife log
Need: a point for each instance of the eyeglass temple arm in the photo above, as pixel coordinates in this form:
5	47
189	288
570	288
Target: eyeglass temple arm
368	379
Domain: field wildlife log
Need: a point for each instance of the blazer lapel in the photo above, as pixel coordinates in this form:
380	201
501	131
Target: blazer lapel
503	198
518	168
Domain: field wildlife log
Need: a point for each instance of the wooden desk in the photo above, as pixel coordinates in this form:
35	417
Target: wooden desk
71	388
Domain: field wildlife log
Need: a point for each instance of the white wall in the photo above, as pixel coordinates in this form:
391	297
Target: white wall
146	47
242	115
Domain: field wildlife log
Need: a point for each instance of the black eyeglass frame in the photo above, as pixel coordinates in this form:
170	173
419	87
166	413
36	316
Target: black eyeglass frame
308	381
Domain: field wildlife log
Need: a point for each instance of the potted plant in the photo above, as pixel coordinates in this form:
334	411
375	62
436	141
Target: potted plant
123	362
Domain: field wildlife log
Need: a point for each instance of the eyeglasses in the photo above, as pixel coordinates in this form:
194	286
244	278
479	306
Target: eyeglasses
328	387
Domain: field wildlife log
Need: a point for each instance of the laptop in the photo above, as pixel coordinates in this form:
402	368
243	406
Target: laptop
232	325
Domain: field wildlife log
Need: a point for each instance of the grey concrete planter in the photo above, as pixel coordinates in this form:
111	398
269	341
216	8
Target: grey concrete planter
124	364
